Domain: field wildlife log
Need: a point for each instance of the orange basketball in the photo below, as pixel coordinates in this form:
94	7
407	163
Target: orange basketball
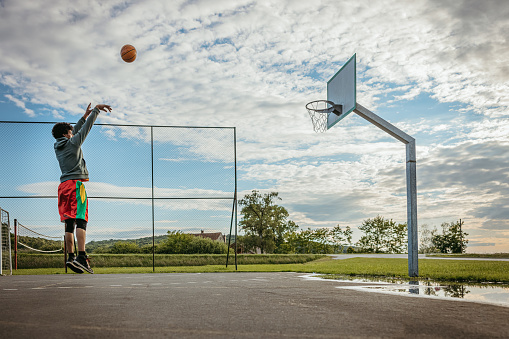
128	53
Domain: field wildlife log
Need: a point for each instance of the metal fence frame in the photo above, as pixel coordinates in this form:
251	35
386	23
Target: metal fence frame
233	221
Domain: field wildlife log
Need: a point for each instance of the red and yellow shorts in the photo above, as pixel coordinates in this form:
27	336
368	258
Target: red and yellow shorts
72	200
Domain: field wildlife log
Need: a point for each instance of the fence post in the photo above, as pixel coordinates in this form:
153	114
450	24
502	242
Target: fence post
235	197
16	244
1	243
65	254
153	213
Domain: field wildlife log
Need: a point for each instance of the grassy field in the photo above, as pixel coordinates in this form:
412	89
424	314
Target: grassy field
164	260
440	270
472	255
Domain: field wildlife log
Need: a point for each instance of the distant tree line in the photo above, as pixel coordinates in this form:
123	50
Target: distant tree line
176	242
309	241
143	245
268	230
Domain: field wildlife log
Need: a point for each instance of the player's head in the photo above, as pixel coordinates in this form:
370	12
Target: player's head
60	129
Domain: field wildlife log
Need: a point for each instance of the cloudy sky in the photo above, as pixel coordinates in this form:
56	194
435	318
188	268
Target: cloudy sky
436	69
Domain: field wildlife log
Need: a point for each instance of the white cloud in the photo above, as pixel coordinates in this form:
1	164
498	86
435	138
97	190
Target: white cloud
21	105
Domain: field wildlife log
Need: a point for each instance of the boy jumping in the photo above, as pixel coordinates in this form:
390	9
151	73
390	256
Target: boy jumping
72	197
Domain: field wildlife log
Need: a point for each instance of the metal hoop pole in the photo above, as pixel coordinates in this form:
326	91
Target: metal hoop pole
411	181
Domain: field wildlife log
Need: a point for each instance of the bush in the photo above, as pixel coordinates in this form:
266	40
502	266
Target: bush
176	242
181	243
121	247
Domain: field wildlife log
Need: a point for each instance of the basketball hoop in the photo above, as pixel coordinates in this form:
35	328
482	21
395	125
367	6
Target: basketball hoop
319	111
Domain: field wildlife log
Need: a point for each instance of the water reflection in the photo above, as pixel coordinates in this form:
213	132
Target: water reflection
452	291
487	293
414	287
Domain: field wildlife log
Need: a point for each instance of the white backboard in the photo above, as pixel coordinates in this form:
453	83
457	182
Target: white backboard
341	89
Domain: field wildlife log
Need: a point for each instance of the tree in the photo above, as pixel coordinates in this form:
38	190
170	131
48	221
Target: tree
339	237
397	242
320	240
281	227
265	220
382	236
452	239
425	237
248	243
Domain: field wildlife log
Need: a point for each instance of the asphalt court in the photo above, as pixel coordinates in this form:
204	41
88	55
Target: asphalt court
237	305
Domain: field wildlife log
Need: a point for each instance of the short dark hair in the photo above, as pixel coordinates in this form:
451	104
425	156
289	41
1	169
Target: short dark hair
60	129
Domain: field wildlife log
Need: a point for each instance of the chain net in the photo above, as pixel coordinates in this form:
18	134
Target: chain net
34	241
319	113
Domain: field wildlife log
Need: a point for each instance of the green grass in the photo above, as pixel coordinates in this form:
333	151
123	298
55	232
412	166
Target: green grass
472	255
29	261
440	270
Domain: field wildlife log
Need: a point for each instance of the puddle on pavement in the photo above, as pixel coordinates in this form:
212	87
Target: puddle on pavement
491	293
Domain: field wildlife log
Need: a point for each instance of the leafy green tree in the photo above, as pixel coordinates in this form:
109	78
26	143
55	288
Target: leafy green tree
350	250
263	219
340	237
382	236
248	243
281	227
397	242
452	239
425	237
177	243
304	242
320	240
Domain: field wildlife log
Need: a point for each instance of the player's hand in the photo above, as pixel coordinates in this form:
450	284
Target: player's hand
102	107
87	112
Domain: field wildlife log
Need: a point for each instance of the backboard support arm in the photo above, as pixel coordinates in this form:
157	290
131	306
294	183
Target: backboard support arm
411	183
338	109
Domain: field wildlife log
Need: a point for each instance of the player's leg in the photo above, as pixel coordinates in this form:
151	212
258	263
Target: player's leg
69	242
81	236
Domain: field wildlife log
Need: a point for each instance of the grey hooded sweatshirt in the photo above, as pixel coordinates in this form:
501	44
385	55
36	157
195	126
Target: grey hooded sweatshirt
68	151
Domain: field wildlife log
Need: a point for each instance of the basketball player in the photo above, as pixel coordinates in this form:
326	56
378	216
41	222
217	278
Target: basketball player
72	197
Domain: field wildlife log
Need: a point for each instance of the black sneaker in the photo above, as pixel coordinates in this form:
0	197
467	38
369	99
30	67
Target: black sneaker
82	262
75	268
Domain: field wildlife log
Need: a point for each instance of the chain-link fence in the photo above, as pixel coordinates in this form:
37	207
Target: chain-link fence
5	243
144	180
